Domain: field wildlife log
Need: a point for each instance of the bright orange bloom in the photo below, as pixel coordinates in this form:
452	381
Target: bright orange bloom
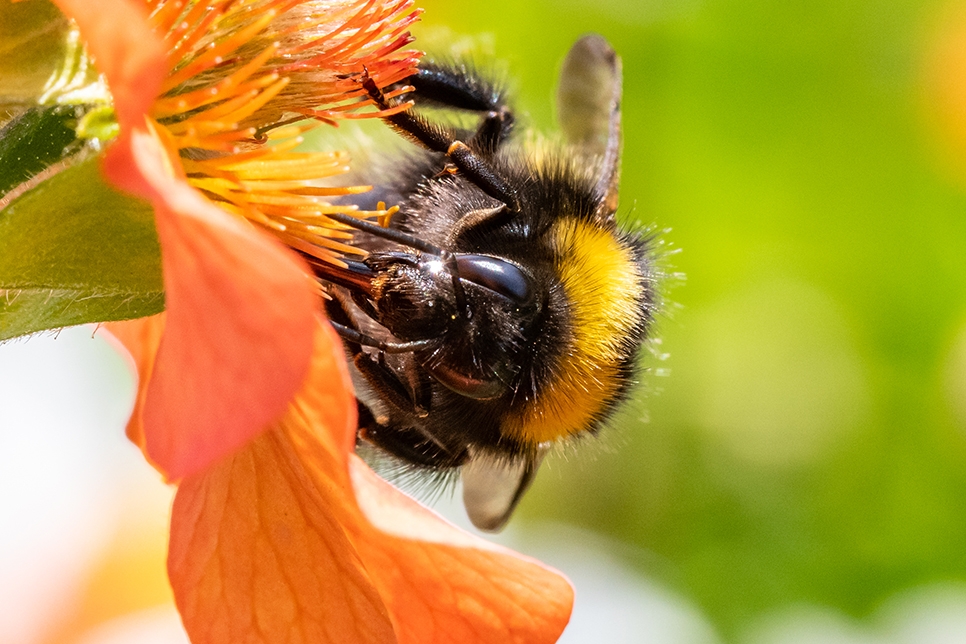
192	83
272	545
279	533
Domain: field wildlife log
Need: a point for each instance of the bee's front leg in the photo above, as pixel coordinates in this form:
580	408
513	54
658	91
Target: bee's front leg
433	137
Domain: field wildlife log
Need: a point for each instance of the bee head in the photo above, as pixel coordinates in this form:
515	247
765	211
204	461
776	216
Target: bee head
475	310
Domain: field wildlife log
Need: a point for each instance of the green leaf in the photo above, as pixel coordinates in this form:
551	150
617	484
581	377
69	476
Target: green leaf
34	44
34	140
74	250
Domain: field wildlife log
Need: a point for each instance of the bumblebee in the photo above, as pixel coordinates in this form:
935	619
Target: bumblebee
502	310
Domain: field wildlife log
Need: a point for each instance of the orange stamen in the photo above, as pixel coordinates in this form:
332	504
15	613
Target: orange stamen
234	61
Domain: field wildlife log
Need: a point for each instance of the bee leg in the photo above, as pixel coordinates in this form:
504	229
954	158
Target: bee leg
388	385
422	391
364	419
459	89
378	375
455	86
493	130
336	310
479	172
408	444
357	337
413	446
437	139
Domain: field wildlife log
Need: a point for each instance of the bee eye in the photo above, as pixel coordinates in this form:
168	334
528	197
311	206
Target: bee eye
497	275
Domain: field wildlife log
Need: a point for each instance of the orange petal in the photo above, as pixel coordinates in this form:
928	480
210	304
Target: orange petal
271	541
255	557
443	585
240	308
240	318
140	339
125	49
258	555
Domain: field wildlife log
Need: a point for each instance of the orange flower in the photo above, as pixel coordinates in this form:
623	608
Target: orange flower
191	82
279	533
293	538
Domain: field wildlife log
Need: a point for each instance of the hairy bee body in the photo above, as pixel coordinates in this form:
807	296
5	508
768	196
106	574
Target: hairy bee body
504	309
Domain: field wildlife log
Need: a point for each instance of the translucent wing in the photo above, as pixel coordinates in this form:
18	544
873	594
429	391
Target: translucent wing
493	485
588	108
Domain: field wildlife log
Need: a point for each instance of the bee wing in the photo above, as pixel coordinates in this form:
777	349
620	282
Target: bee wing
588	108
493	485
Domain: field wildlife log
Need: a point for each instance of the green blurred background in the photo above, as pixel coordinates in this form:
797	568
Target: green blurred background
804	439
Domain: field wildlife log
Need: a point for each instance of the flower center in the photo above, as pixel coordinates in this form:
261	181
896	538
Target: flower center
245	75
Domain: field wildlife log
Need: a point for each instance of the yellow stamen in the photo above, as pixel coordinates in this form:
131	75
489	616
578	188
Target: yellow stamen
242	71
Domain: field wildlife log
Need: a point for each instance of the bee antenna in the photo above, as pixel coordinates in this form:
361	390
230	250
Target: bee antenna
389	234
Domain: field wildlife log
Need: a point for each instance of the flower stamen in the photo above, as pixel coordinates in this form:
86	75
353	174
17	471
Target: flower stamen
243	72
